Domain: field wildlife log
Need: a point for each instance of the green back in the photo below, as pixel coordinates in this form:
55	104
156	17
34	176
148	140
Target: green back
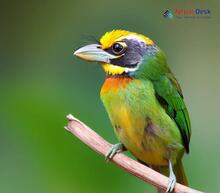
167	91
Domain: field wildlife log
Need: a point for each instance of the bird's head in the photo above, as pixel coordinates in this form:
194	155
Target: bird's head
119	51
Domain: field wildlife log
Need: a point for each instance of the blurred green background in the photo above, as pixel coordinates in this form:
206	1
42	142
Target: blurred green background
41	82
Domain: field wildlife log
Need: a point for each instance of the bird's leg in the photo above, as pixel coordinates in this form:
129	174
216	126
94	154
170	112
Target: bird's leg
116	148
172	179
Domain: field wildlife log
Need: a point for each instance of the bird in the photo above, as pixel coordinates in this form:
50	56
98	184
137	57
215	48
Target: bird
144	102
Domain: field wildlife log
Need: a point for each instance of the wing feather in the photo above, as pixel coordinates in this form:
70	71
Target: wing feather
168	89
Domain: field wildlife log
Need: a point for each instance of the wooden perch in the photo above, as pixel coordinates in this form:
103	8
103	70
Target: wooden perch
101	146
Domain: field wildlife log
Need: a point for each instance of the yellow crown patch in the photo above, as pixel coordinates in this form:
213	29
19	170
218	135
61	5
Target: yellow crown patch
110	37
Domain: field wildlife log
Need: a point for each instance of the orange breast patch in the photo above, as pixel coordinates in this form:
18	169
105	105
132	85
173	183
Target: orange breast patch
114	83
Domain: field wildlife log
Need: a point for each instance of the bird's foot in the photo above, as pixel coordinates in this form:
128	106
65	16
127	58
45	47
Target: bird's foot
116	148
171	184
172	179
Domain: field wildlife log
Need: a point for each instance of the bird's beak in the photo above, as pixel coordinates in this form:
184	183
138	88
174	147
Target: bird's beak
93	52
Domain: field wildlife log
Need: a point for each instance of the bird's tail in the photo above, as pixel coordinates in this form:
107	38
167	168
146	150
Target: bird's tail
179	172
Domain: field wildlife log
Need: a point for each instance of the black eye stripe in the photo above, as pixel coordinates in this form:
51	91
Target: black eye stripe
132	54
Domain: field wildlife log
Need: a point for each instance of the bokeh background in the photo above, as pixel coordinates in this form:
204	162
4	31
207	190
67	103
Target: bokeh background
41	82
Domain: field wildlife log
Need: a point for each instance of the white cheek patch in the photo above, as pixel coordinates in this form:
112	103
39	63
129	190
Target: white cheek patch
134	68
131	69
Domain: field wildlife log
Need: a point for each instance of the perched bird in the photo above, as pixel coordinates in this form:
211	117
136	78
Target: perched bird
144	102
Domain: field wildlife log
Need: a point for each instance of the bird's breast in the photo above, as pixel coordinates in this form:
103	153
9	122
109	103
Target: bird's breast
128	102
114	84
139	121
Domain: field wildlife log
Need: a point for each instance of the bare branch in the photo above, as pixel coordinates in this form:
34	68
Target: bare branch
101	146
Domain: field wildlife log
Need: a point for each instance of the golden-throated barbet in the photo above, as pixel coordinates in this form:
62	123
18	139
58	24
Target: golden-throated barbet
144	102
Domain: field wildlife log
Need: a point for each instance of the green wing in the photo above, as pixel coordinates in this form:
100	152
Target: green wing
169	94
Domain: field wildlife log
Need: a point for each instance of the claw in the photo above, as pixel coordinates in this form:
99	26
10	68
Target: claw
172	179
116	148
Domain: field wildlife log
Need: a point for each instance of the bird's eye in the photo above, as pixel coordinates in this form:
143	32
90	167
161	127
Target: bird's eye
119	48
